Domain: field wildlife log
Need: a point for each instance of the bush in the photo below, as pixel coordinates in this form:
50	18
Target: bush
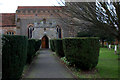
83	52
31	50
37	45
14	55
59	47
52	45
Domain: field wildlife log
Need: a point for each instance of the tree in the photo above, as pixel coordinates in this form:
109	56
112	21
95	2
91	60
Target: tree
104	16
101	34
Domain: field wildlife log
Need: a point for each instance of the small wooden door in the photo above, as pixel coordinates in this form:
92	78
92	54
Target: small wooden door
45	42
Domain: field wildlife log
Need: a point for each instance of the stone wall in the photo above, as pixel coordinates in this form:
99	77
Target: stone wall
4	30
39	33
25	17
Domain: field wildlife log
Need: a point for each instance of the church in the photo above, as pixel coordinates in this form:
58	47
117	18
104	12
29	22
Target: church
36	22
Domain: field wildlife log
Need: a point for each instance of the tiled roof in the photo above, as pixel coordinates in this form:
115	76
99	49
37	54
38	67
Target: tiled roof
40	7
8	19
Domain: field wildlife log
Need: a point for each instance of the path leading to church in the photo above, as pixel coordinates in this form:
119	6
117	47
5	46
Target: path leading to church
46	65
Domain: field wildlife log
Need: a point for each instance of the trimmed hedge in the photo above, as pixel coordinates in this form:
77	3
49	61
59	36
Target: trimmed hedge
38	43
59	47
31	50
52	45
83	52
14	55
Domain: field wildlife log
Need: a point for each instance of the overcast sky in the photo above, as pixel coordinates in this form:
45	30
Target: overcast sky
10	6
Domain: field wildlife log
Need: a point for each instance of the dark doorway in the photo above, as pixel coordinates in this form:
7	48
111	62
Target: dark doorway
45	42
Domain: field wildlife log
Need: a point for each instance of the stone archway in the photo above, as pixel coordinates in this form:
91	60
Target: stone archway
45	42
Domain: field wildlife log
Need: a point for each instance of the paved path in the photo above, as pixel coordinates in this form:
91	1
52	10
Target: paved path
46	65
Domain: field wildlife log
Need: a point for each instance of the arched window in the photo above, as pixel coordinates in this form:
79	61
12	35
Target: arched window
10	32
30	29
59	32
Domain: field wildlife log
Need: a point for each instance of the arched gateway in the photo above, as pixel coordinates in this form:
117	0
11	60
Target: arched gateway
45	42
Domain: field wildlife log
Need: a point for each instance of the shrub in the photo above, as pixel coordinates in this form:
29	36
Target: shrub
14	55
37	45
31	50
83	52
59	47
52	45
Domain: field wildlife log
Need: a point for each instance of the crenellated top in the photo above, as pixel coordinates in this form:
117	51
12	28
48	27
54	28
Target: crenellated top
39	9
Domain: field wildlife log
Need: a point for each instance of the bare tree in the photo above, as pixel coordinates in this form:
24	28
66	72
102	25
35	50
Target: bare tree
104	16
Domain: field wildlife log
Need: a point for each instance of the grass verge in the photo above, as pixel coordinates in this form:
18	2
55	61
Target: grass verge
107	66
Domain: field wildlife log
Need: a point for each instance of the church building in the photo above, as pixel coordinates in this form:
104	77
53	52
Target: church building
37	22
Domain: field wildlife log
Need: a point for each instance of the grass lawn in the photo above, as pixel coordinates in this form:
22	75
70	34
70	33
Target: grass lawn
108	64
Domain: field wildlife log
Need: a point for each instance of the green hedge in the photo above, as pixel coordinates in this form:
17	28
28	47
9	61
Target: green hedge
52	45
14	55
83	52
31	50
38	43
59	47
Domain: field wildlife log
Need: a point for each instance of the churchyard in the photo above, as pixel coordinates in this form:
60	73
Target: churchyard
83	56
59	42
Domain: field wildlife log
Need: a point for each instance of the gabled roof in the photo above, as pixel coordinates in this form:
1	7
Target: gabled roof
40	7
8	19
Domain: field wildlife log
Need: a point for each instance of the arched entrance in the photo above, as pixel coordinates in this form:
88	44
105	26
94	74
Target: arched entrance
45	42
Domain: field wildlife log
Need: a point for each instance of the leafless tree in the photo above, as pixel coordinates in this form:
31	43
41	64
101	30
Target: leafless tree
104	16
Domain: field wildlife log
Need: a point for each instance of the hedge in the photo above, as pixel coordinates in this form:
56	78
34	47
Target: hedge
31	50
82	52
52	45
37	43
59	47
14	55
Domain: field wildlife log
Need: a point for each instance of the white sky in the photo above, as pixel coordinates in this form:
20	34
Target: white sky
10	6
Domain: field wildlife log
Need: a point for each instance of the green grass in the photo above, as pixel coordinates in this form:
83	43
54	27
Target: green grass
108	64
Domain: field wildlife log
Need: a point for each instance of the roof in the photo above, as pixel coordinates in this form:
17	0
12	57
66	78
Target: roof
40	7
8	19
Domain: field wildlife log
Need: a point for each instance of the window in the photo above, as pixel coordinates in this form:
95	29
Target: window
30	30
10	33
59	32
